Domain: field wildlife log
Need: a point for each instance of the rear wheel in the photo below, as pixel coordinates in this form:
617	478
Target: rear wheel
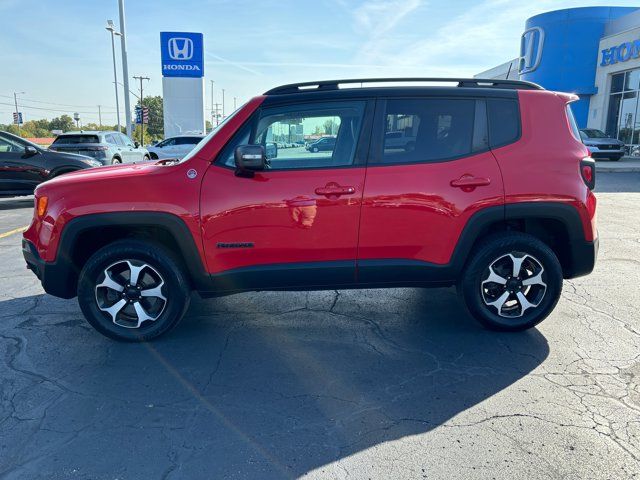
146	158
512	282
133	290
115	161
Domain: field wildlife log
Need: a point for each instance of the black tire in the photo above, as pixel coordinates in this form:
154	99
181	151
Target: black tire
159	263
115	161
494	252
314	149
146	158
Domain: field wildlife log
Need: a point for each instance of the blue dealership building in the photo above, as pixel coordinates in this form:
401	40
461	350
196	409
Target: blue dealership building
591	51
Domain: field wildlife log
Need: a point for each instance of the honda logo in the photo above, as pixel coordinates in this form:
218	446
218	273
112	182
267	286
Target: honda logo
531	45
180	48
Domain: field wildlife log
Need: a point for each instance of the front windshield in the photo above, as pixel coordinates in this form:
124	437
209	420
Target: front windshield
211	134
593	133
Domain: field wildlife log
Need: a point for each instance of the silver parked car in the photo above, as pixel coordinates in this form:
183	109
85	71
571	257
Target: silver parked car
174	147
601	145
106	147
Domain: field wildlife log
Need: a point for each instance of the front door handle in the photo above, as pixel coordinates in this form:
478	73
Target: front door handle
332	189
470	182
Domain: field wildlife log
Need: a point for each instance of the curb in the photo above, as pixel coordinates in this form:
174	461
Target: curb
625	169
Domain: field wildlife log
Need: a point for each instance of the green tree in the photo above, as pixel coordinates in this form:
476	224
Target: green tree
63	122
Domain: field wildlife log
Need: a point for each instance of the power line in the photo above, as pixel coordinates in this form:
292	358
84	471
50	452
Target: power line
52	103
29	107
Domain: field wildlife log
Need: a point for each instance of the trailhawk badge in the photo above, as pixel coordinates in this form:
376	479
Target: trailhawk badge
192	173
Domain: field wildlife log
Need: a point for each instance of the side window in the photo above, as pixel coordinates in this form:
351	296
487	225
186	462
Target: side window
504	121
428	129
169	142
313	135
126	140
110	139
9	146
118	140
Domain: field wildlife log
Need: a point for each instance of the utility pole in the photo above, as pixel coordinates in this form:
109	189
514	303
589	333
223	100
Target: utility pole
212	104
99	117
125	67
216	111
223	104
141	78
15	99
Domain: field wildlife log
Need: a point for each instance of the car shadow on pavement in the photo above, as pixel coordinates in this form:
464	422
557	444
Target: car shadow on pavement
12	203
261	385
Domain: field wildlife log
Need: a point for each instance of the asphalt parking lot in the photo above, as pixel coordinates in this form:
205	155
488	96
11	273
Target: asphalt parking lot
348	384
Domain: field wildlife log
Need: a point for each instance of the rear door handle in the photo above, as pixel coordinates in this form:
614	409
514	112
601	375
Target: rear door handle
470	182
332	189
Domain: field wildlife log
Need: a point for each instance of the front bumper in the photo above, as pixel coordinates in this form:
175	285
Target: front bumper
597	153
57	278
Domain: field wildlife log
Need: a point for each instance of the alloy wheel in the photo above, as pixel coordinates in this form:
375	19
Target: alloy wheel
513	284
130	293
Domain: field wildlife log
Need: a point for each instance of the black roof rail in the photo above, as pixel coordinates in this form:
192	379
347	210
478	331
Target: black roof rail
325	85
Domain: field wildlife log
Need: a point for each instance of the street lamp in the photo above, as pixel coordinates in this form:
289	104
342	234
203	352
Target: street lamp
112	29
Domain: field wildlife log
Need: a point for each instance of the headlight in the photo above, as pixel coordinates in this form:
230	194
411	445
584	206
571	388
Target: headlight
92	163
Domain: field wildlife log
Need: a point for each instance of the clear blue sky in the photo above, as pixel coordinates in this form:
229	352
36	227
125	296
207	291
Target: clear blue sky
59	52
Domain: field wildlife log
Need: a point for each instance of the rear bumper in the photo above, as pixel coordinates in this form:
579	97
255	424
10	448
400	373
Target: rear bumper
616	154
56	277
583	258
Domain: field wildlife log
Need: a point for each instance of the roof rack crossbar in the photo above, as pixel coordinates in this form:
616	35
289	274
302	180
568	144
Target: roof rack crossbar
325	85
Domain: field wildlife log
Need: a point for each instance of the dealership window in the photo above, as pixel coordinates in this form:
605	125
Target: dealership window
623	114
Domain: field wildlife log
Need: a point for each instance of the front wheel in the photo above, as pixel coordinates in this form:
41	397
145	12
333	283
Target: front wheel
132	290
512	282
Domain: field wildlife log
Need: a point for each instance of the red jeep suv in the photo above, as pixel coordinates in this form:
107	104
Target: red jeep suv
484	184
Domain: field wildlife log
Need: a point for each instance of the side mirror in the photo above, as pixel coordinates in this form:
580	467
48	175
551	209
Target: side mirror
249	159
30	151
136	144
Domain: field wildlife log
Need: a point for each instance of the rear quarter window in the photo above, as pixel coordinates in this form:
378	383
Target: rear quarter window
504	121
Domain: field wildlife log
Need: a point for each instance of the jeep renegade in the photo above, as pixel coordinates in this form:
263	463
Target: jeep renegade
493	195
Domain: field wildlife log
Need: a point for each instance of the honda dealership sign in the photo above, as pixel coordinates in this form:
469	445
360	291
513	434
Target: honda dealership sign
182	82
182	54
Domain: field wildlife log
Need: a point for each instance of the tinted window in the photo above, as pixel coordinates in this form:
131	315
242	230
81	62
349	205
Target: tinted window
8	145
504	121
187	140
75	139
428	129
110	139
338	122
118	139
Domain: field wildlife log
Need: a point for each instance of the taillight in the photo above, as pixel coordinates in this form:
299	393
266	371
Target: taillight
97	149
588	172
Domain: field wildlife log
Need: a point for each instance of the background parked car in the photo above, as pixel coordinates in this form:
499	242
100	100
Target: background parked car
23	165
324	144
601	145
106	147
174	147
399	140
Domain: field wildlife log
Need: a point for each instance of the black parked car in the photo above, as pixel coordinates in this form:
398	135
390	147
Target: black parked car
24	165
601	145
324	144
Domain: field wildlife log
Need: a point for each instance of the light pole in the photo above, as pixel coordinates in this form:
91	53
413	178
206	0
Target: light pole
125	66
223	104
213	113
15	99
111	28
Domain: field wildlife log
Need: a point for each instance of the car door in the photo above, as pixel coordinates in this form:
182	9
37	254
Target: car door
418	197
129	151
294	224
20	171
